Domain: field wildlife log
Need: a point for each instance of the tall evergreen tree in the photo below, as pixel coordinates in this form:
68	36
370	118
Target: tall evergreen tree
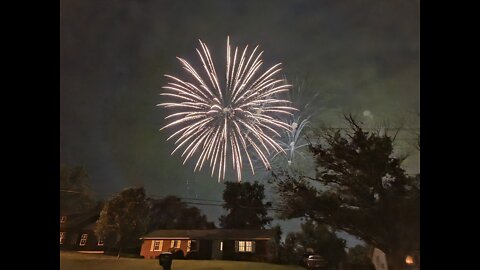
359	187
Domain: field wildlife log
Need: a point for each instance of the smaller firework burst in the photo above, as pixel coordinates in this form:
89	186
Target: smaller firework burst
293	141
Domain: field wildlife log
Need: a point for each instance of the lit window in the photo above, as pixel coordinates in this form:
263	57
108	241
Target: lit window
157	245
175	243
62	237
245	246
241	246
83	240
100	242
63	219
248	246
221	246
193	245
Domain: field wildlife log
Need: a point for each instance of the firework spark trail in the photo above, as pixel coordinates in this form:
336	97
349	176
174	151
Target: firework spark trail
293	140
229	122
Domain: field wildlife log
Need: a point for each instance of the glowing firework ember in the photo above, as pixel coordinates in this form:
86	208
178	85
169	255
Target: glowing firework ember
232	120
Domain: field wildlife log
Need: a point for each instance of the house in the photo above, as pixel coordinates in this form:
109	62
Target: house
245	245
77	232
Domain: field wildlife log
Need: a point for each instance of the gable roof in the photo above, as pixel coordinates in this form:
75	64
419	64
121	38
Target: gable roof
79	220
214	234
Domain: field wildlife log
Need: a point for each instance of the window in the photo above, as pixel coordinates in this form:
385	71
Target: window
100	242
83	240
245	246
241	246
192	245
221	246
248	246
63	219
175	243
62	237
157	245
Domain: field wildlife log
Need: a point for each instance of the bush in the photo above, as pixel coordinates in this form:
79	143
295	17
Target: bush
191	256
359	256
177	253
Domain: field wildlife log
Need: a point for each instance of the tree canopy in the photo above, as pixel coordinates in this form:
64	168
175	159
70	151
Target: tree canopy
359	256
172	213
359	187
75	193
123	219
245	206
316	237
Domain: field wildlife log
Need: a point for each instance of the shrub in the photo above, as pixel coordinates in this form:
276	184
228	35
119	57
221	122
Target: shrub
177	253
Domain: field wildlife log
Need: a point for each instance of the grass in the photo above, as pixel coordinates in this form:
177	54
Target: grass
77	261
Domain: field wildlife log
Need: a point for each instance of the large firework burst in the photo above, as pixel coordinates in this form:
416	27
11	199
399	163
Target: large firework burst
233	119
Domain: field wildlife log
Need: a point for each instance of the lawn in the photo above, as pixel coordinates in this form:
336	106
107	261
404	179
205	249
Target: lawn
77	261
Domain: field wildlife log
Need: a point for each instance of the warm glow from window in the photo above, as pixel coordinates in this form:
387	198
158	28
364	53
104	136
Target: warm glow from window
193	245
156	245
62	237
248	246
83	239
245	246
409	260
175	243
241	246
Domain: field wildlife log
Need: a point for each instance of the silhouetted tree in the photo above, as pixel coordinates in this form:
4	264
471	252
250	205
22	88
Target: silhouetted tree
359	188
319	238
359	256
172	213
291	251
124	219
274	245
245	206
75	193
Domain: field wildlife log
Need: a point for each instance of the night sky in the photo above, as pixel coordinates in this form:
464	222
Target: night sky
359	57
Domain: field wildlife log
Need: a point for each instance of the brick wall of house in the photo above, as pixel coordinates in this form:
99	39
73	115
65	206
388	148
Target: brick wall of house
147	252
184	246
205	250
147	248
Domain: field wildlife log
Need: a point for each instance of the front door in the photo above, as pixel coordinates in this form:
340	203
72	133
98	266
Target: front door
217	250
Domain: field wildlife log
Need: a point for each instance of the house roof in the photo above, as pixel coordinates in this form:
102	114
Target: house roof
79	221
214	234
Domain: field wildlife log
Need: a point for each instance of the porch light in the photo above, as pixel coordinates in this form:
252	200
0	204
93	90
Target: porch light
409	260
